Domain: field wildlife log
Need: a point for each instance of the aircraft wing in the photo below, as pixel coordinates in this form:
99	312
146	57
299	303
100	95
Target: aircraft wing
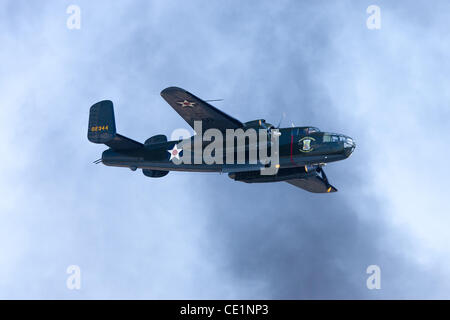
192	108
313	183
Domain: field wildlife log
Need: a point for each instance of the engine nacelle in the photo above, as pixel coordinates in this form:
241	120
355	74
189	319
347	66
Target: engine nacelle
311	167
154	173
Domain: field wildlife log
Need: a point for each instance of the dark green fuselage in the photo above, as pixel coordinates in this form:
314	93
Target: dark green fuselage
293	152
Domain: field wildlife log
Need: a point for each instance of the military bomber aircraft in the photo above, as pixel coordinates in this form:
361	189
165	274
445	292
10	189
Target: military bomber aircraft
302	151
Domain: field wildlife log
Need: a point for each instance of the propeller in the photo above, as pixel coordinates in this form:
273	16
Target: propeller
281	119
98	161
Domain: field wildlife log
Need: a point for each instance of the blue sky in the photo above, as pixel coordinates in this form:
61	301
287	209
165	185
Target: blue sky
204	235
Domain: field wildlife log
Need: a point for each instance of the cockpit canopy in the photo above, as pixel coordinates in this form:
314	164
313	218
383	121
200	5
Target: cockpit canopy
331	137
334	137
258	124
308	130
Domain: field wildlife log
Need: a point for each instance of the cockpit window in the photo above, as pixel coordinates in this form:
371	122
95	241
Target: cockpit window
332	138
312	129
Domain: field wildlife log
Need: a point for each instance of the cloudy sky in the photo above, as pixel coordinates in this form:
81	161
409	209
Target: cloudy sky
203	235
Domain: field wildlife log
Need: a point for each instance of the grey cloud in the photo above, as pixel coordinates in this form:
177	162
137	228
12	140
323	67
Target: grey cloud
188	235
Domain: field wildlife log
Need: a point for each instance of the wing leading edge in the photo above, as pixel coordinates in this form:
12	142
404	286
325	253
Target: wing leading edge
192	108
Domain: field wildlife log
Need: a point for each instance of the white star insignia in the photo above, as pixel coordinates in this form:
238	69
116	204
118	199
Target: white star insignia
175	152
186	103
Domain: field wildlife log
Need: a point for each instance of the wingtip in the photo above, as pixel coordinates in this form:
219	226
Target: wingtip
169	90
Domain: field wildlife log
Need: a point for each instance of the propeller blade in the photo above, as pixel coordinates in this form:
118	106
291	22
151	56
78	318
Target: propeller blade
281	118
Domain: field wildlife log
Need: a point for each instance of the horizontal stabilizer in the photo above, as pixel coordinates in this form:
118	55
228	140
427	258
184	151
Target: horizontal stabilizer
159	138
120	142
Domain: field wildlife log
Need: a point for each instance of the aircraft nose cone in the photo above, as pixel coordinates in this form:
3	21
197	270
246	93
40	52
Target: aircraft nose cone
349	146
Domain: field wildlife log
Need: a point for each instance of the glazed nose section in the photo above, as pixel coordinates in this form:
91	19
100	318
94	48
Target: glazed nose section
349	146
